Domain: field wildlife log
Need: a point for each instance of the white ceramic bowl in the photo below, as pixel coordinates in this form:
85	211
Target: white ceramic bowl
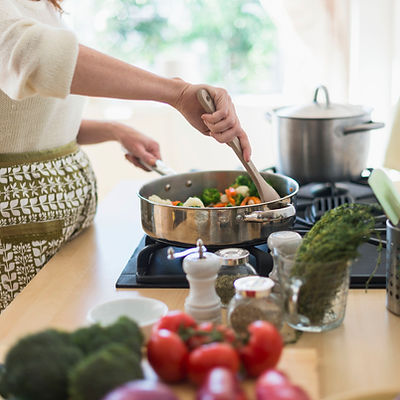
144	310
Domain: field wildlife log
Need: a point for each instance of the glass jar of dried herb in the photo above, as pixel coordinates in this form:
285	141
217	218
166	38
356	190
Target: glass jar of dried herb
254	301
234	264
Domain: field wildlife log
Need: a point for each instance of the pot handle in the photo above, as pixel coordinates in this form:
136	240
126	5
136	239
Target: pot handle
276	215
367	126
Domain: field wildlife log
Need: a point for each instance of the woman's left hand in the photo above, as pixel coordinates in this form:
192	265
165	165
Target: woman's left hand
138	146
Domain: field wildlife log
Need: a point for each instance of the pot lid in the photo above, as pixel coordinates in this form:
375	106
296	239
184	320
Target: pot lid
324	110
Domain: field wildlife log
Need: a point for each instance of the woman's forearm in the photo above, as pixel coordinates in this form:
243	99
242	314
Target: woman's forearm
91	132
99	75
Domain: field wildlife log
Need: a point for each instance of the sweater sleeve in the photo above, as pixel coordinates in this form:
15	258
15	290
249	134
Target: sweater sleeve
36	58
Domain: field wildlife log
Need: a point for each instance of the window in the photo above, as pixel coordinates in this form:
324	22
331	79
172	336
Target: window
230	43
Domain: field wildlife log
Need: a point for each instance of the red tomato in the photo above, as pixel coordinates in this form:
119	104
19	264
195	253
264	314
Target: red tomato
208	356
207	332
174	320
168	355
286	391
221	384
263	349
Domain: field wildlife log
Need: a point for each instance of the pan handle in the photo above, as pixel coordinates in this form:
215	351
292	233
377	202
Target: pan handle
367	126
160	167
272	216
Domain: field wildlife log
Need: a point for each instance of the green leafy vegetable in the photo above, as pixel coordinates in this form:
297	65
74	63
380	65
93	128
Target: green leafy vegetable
103	371
324	255
238	199
246	181
210	196
124	331
36	367
39	366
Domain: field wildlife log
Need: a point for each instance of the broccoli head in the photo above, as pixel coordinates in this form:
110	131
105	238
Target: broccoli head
210	196
124	331
244	180
36	367
102	371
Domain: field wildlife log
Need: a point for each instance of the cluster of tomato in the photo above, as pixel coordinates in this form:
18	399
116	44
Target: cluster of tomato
180	349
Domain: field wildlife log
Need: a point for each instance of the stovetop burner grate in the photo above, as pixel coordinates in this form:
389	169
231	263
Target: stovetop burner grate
149	266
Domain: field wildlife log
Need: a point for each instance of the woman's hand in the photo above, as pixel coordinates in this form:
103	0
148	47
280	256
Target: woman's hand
138	146
223	125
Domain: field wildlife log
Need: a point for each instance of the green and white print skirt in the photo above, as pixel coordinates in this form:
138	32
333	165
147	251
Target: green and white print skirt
46	199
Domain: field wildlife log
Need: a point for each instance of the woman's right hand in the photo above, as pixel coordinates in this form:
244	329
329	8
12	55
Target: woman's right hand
223	125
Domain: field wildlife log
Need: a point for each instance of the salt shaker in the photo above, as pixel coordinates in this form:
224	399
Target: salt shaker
201	269
286	241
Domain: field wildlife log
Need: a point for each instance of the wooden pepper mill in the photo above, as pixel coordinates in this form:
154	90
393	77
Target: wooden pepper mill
201	268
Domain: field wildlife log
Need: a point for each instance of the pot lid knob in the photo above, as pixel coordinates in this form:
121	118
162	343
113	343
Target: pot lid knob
325	90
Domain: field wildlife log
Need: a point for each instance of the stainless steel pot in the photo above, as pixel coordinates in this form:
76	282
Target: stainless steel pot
323	142
215	226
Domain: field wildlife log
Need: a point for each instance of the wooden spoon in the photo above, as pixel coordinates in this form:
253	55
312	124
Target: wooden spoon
266	191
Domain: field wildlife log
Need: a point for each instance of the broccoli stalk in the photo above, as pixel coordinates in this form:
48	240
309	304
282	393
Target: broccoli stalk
102	371
210	196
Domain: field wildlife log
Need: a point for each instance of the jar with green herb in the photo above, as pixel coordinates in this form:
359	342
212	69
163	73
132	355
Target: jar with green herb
234	264
254	301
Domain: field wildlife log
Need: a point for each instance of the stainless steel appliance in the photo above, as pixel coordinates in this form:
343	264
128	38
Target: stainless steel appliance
322	142
239	225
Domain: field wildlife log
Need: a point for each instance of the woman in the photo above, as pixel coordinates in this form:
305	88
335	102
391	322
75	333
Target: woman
47	187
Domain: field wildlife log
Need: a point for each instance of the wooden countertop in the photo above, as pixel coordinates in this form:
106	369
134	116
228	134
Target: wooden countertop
363	353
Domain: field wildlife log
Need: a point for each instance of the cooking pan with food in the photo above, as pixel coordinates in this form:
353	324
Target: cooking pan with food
216	226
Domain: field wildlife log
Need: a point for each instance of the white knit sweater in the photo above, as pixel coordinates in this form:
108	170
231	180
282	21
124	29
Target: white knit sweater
37	61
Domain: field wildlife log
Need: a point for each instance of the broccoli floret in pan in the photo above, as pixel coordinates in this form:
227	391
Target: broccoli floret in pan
244	180
102	371
210	196
36	367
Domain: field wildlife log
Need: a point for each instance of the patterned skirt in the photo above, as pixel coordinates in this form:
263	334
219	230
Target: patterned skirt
46	199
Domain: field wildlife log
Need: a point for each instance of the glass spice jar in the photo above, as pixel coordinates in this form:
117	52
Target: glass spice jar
254	301
234	264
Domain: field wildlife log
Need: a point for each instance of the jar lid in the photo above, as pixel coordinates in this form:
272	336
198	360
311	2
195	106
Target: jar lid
286	239
233	256
254	286
324	110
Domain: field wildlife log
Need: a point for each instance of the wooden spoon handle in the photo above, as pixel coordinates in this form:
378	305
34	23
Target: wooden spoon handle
266	192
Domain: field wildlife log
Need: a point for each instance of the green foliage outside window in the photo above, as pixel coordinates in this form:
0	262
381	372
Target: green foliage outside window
235	39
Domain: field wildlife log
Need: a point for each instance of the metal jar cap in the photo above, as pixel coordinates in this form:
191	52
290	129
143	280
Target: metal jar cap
254	286
233	256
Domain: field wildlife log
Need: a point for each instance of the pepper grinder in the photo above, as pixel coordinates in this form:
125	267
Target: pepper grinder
201	268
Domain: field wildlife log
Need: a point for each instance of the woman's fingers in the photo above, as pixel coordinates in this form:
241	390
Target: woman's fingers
136	162
215	123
